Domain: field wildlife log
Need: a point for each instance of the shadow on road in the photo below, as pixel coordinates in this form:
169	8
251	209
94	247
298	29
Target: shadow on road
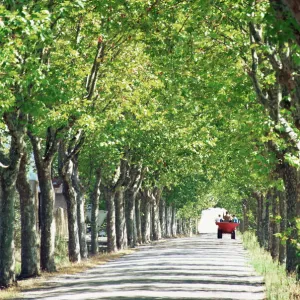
202	267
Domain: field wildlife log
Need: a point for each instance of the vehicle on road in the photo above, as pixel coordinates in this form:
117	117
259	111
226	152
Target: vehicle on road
228	228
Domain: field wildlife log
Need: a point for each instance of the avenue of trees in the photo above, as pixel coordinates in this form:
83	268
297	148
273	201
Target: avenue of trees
158	109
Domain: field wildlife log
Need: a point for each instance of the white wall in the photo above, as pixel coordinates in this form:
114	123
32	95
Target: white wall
207	220
101	216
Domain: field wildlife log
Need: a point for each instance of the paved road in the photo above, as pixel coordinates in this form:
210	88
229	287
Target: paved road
201	267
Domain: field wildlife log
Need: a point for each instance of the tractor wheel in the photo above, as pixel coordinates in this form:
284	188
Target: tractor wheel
219	233
233	235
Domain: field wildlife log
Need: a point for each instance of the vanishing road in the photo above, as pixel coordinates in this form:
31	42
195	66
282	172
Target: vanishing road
200	267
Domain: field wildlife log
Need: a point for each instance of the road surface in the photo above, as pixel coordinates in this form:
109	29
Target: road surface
200	267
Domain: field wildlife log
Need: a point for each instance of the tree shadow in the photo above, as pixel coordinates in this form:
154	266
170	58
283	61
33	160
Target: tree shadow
195	268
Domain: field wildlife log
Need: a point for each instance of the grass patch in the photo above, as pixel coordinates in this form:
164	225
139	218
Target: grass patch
279	285
63	267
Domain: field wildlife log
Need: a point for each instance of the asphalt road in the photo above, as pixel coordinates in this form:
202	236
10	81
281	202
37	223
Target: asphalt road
201	267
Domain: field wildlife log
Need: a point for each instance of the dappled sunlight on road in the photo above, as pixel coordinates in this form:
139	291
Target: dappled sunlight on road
201	267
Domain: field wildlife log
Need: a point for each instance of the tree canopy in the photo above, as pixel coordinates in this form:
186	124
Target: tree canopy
202	96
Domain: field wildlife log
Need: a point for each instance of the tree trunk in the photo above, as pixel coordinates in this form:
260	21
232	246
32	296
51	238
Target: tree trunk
154	222
94	213
275	226
136	174
66	172
182	226
259	218
282	208
156	195
29	257
266	219
196	226
173	222
8	177
294	8
146	216
138	219
162	217
43	162
168	221
111	220
121	233
7	247
130	216
271	225
190	226
80	210
290	178
245	215
179	226
151	226
131	223
47	218
185	227
134	229
113	186
71	200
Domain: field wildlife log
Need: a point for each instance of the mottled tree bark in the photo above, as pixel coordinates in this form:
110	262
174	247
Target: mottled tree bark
151	226
136	177
145	218
162	216
290	177
121	232
182	226
130	217
138	219
274	249
173	222
134	229
294	7
190	226
15	123
71	200
7	247
245	215
95	196
111	187
282	209
43	162
179	227
156	195
29	246
259	218
66	173
80	209
271	227
185	227
47	219
168	221
266	220
196	226
111	220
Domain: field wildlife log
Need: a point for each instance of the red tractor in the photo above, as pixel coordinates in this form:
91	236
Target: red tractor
227	227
